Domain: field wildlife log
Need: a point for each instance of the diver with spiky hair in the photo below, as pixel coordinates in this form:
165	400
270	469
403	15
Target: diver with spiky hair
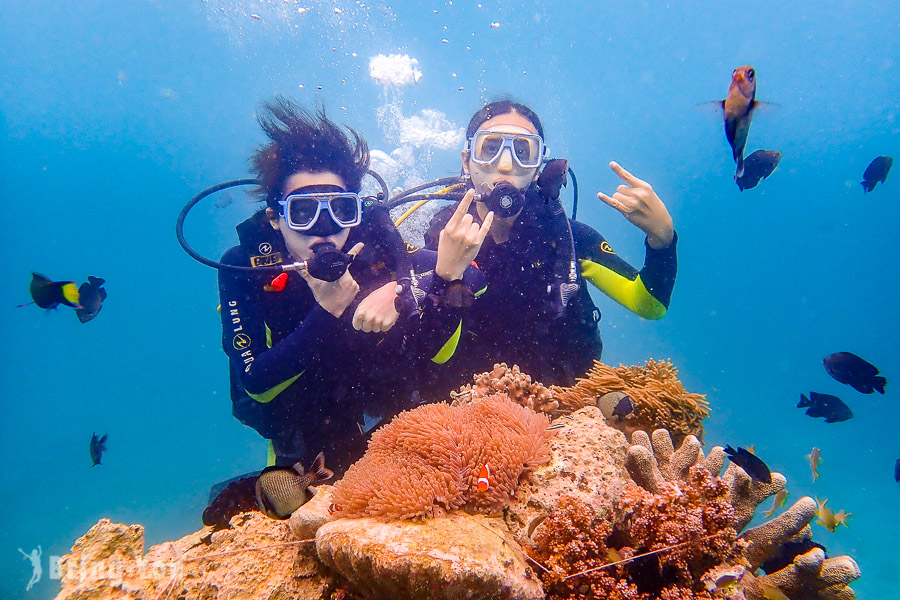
321	355
537	311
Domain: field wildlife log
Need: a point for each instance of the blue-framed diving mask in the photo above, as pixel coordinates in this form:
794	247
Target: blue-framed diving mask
319	212
527	149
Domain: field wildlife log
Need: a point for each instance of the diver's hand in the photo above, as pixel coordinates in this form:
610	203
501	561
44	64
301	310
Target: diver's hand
460	240
377	312
642	207
334	296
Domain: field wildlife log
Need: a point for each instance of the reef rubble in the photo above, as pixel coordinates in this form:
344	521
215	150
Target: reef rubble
598	500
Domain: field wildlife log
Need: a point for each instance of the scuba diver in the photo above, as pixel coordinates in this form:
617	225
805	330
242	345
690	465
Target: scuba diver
328	317
537	311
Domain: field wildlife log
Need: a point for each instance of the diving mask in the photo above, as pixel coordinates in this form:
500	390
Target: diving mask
302	209
527	149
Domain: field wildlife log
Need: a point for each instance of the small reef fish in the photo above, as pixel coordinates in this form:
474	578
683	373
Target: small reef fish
814	458
282	490
770	592
333	508
830	407
50	294
859	374
876	171
750	463
828	518
738	107
759	165
780	499
484	479
624	407
897	471
723	578
91	295
787	552
98	447
236	497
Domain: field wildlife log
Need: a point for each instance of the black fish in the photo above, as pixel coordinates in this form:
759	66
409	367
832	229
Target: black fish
282	490
848	368
236	497
787	552
750	463
624	407
50	294
91	296
897	471
98	447
757	167
825	405
877	171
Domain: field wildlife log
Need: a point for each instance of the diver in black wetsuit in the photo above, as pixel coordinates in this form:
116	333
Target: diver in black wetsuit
321	356
537	311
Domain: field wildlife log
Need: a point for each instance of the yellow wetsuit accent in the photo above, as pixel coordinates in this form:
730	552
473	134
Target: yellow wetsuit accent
632	294
270	394
449	348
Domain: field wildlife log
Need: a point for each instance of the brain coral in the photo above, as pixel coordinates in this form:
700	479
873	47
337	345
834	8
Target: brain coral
427	460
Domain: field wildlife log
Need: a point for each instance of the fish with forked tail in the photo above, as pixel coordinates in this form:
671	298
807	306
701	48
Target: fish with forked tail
859	374
282	490
50	294
830	407
98	447
750	463
877	171
738	106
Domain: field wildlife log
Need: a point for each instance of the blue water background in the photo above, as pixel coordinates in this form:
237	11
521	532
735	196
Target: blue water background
113	114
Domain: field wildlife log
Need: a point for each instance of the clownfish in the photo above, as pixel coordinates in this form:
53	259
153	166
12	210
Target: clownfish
484	479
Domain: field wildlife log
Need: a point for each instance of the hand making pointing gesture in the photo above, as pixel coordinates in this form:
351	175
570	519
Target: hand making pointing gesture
642	207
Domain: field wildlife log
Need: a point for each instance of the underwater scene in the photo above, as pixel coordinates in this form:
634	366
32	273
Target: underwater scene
706	187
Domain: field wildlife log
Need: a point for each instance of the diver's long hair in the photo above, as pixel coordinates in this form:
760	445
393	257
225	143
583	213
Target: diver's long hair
502	107
305	141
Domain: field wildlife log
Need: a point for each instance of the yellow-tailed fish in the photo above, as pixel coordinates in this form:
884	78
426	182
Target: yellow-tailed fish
827	517
780	499
770	592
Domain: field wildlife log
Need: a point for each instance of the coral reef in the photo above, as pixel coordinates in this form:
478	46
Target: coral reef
517	385
427	460
660	398
257	560
694	516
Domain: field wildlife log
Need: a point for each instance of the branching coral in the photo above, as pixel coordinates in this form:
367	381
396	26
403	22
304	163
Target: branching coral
694	515
427	460
517	385
660	398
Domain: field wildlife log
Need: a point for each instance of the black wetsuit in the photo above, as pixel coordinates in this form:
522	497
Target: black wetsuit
308	381
514	322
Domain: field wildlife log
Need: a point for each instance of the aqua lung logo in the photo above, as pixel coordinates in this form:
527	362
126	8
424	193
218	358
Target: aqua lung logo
506	201
241	341
265	248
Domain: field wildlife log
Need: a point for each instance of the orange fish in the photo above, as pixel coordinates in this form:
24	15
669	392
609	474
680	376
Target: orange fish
333	508
738	107
484	479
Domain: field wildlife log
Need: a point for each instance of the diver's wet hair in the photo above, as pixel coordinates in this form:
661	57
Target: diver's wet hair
303	141
502	107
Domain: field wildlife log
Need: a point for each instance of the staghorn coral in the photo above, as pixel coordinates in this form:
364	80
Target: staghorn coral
517	385
576	538
426	461
660	398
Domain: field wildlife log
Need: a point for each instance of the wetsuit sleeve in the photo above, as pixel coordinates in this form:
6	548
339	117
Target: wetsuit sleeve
265	371
647	292
441	324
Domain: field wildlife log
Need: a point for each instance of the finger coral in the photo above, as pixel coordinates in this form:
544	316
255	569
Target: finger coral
428	460
694	515
660	398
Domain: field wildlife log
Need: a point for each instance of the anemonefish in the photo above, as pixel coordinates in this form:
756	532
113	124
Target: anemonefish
333	508
484	479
